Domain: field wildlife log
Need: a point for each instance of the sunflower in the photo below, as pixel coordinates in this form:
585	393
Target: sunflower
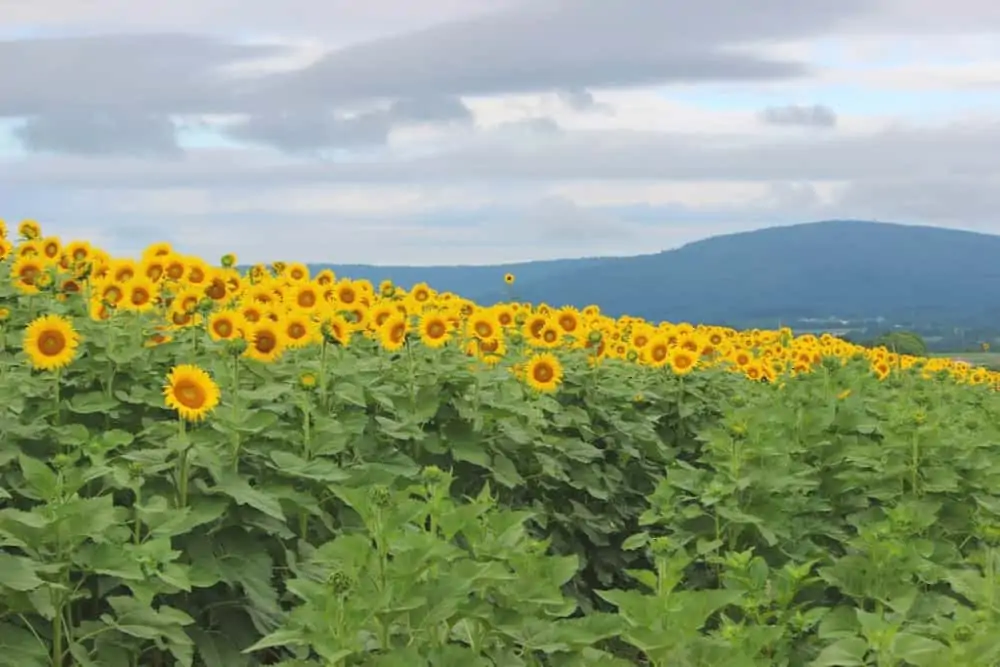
345	293
158	249
568	320
50	342
51	248
29	230
682	361
25	273
434	330
326	277
197	271
657	352
299	329
336	328
140	294
225	324
174	267
191	392
305	296
297	272
508	278
543	372
392	333
483	325
379	314
123	270
267	341
6	247
421	293
98	310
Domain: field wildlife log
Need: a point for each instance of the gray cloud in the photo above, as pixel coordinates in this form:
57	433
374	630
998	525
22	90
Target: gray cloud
157	73
314	130
816	115
430	109
548	45
570	44
511	155
92	132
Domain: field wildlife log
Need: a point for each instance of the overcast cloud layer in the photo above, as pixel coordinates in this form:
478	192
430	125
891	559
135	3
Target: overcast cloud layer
474	131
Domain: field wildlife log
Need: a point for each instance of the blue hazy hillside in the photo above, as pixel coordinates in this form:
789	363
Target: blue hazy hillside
847	269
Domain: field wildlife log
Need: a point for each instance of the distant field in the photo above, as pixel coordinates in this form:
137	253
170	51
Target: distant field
988	359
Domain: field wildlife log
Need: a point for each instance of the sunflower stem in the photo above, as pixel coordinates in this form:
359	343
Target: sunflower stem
58	383
183	467
237	444
307	453
322	374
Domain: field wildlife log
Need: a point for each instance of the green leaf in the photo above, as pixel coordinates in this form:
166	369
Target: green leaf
40	477
92	402
322	470
636	541
350	393
257	422
504	471
239	489
917	650
18	573
846	652
20	648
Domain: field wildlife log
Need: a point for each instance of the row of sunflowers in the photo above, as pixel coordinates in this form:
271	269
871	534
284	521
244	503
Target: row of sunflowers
268	312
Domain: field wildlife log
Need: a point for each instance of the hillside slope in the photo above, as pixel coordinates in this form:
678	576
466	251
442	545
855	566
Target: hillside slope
839	268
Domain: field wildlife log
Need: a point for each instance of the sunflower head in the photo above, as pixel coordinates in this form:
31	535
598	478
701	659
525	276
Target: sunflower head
508	278
51	342
191	392
543	372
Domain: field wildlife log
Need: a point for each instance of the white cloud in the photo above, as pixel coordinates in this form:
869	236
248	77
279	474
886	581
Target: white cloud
492	131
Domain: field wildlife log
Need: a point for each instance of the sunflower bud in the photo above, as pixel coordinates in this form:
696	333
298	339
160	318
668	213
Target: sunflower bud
380	496
307	380
595	337
236	346
340	583
229	260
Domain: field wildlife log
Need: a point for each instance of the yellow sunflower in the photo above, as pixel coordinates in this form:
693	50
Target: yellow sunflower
29	230
267	341
191	392
392	333
508	278
140	294
50	342
225	324
434	330
299	329
682	361
543	372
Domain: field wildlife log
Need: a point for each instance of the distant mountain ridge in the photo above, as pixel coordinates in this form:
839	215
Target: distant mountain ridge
847	269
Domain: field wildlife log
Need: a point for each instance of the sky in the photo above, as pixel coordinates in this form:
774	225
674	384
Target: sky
491	131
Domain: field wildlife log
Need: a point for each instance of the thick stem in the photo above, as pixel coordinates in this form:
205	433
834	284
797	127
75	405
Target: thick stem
237	440
183	468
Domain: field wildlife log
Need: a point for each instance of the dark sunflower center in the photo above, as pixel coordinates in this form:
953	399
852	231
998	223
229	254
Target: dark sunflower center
190	394
265	342
543	373
51	343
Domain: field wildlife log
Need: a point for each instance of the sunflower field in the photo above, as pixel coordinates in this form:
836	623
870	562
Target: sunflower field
203	465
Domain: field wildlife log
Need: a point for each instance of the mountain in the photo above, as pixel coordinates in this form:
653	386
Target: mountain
845	269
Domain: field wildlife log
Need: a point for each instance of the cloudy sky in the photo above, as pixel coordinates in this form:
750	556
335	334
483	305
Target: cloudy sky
481	131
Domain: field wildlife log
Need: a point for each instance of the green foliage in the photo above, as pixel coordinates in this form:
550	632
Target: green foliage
417	509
